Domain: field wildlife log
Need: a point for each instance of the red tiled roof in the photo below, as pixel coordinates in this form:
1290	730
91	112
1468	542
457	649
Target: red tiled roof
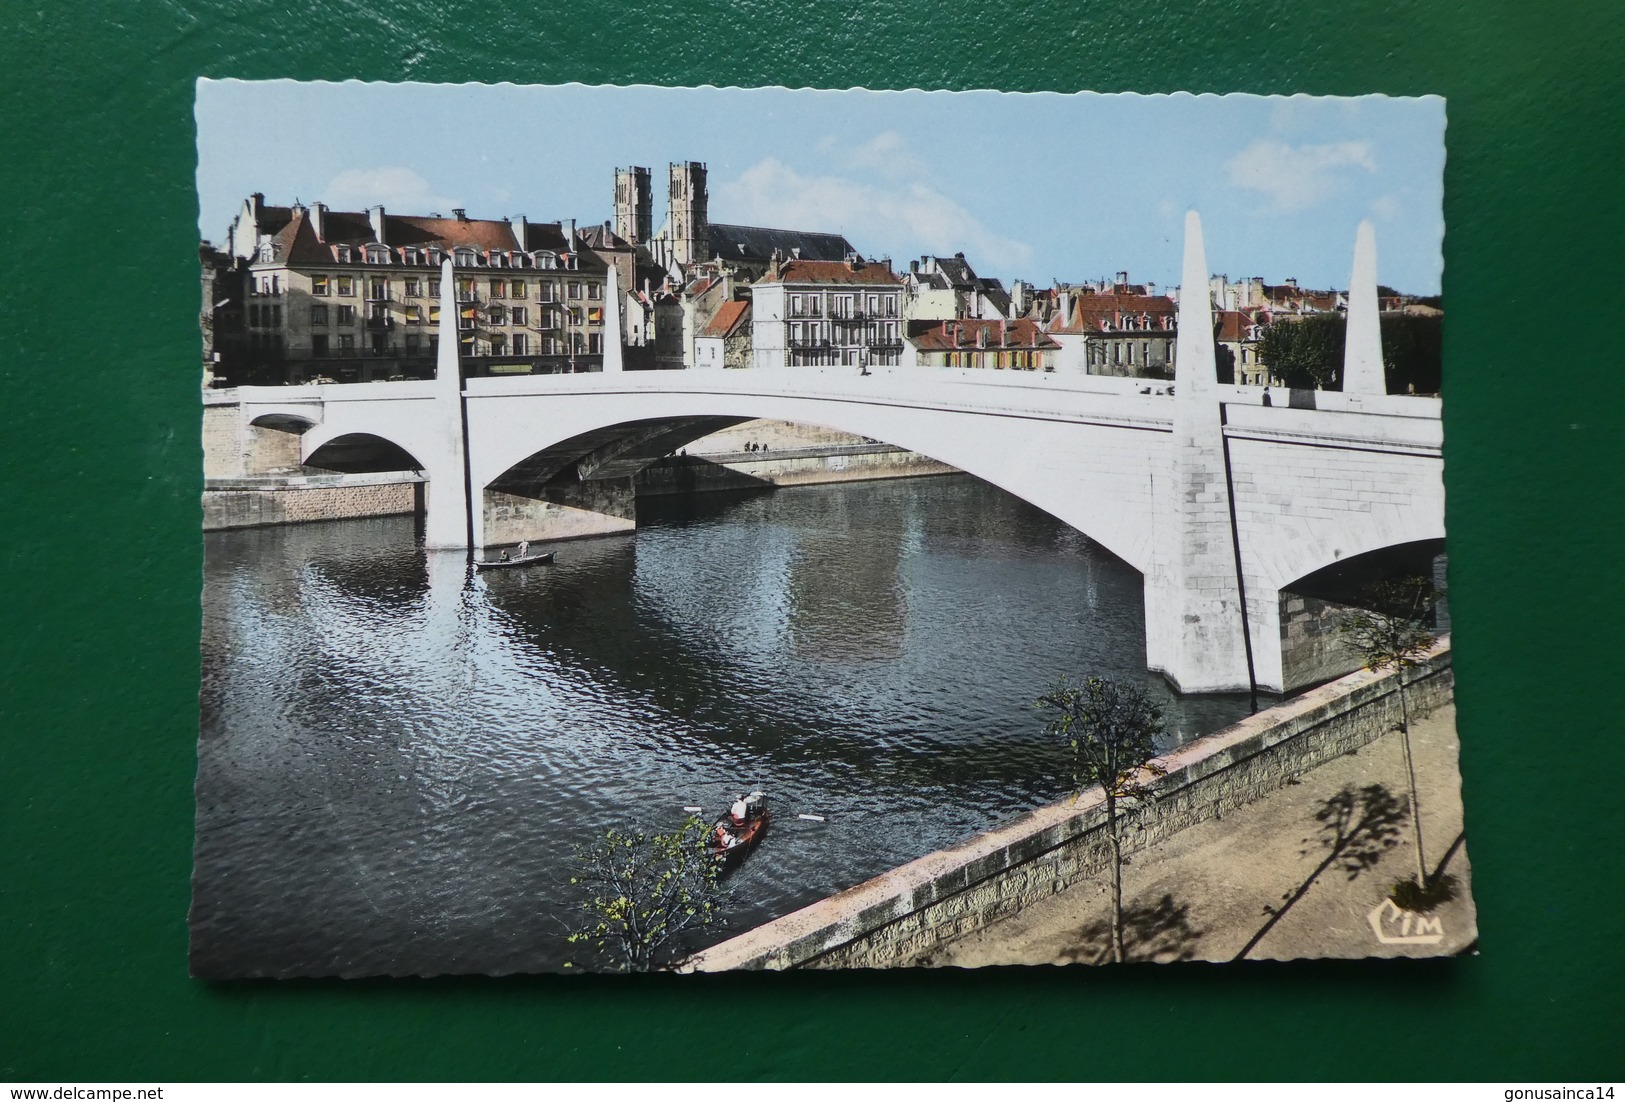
1232	325
1023	333
837	272
1094	313
727	319
299	244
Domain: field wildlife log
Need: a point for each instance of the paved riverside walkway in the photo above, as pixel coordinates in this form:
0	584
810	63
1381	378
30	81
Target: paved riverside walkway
1202	894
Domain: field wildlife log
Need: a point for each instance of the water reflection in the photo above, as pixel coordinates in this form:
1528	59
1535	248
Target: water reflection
396	758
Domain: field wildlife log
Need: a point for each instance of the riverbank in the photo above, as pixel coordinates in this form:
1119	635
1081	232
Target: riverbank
1275	879
915	912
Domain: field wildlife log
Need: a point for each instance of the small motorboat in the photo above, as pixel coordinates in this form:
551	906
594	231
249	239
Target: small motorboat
733	835
524	560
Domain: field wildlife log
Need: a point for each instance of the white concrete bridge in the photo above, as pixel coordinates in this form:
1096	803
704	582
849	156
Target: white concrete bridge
1220	502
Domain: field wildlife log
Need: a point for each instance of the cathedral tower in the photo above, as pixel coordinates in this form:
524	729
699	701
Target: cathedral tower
634	205
690	226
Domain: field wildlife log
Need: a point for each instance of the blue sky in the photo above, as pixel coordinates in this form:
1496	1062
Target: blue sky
1041	186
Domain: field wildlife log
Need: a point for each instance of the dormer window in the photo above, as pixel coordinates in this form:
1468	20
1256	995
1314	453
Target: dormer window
546	260
342	254
436	256
377	254
466	258
268	252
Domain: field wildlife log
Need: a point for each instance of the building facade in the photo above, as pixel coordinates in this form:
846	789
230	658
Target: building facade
1020	345
355	296
1111	333
939	288
725	341
821	313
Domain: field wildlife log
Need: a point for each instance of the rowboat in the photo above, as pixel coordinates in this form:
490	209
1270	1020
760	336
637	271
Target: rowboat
732	838
502	564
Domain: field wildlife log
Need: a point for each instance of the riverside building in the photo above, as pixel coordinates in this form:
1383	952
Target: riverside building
349	296
819	313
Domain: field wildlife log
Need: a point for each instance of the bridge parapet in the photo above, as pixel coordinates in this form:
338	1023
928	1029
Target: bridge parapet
1389	432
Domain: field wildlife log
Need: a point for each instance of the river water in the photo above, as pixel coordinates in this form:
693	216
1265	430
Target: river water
396	761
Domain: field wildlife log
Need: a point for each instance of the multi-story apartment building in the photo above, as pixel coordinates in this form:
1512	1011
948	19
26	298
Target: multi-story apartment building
943	287
811	313
355	296
1116	334
1020	345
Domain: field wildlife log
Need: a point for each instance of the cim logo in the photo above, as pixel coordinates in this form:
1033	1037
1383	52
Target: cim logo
1394	925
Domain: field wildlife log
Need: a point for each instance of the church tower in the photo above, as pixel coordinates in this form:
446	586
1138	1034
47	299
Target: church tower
690	226
634	205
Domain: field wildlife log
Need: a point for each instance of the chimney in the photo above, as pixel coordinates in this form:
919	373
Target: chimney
914	267
460	214
568	225
521	232
981	337
318	221
1004	335
375	215
1292	283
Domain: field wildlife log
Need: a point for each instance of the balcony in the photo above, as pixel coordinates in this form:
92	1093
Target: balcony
884	345
380	323
379	295
804	343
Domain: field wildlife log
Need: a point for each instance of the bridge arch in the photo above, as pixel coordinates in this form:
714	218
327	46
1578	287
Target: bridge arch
283	421
525	455
358	453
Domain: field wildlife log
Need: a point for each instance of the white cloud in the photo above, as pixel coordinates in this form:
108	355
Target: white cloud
903	216
400	190
1294	177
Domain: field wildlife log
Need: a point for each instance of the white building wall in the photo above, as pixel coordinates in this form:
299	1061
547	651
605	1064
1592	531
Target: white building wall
708	352
769	304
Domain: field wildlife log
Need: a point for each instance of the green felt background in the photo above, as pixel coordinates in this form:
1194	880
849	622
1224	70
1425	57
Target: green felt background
99	528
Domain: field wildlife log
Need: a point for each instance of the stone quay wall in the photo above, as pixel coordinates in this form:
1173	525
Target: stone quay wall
293	499
806	466
906	912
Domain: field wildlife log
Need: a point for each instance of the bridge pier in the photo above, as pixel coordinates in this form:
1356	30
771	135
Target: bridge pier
558	511
1194	634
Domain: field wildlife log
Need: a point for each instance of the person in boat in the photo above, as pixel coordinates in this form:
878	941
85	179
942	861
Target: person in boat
740	811
725	838
504	557
520	551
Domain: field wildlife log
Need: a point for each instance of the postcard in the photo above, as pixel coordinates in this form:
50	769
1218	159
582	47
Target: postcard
715	528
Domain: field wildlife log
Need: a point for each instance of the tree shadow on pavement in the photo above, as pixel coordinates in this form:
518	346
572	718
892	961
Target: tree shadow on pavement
1356	828
1159	932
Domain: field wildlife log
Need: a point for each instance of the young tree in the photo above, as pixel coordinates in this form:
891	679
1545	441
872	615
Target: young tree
644	891
1391	633
1112	730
